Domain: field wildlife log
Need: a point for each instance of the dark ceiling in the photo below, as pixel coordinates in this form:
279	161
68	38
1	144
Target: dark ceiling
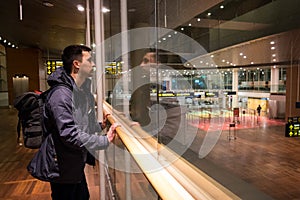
52	28
47	28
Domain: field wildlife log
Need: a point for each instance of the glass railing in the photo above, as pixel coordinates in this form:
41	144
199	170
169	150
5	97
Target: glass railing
140	167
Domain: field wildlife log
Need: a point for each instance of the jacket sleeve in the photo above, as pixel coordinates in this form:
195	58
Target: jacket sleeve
71	135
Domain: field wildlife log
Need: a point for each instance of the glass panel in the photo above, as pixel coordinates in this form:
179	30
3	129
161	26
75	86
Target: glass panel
182	67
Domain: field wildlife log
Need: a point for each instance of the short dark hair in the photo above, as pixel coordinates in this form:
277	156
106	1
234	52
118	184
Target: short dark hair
71	53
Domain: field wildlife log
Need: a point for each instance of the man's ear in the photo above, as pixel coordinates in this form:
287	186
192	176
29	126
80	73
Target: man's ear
76	64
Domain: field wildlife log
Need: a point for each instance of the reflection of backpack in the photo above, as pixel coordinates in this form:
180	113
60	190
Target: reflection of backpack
31	106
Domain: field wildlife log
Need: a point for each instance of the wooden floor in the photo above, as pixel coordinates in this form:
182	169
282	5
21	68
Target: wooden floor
260	157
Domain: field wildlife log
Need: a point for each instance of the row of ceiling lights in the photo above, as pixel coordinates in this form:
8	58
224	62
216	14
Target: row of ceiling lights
272	43
7	43
209	14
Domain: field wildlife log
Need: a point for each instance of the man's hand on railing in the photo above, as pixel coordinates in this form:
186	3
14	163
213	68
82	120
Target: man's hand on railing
112	132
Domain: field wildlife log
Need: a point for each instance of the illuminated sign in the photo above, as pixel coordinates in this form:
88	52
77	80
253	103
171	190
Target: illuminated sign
113	68
52	65
292	128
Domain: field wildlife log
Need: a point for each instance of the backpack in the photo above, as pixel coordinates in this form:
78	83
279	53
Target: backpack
31	107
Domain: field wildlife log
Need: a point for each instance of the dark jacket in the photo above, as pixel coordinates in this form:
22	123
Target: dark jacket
71	125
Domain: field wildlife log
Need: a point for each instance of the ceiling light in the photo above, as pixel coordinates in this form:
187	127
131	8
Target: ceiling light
48	4
272	42
175	32
105	10
198	19
252	63
209	14
245	57
272	48
221	6
190	24
241	54
80	8
182	28
274	55
212	56
131	10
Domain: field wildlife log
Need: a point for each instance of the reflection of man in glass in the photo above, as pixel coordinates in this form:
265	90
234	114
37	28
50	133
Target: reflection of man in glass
163	120
140	98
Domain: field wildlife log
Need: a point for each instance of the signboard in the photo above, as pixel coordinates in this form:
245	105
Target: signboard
236	112
52	65
113	68
292	128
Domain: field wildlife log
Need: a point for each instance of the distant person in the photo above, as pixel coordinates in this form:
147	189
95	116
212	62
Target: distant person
258	110
70	124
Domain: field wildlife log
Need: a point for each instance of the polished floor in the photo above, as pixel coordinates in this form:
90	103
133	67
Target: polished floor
260	160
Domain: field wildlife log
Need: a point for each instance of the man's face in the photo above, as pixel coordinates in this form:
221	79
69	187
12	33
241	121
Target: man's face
86	66
148	59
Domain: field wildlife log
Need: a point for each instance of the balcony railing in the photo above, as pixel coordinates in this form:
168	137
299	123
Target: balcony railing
140	167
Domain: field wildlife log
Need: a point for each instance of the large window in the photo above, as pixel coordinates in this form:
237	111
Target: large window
172	66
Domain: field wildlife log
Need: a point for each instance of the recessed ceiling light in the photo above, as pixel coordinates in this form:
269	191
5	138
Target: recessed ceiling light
80	8
190	24
198	19
131	10
48	4
272	42
221	6
105	10
272	48
274	55
209	14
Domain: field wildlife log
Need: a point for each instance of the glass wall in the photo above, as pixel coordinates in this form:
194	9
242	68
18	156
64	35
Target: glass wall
170	66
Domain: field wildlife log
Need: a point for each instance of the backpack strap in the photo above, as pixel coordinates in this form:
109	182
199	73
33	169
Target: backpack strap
19	131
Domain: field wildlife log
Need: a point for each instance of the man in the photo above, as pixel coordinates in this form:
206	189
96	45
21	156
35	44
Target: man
70	118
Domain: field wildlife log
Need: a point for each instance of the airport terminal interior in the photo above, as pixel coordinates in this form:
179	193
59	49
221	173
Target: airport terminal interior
213	85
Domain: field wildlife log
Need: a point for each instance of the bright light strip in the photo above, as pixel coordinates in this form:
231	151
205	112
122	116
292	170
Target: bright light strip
105	10
80	8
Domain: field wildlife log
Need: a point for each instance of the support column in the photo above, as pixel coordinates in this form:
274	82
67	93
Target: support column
235	83
99	39
274	80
